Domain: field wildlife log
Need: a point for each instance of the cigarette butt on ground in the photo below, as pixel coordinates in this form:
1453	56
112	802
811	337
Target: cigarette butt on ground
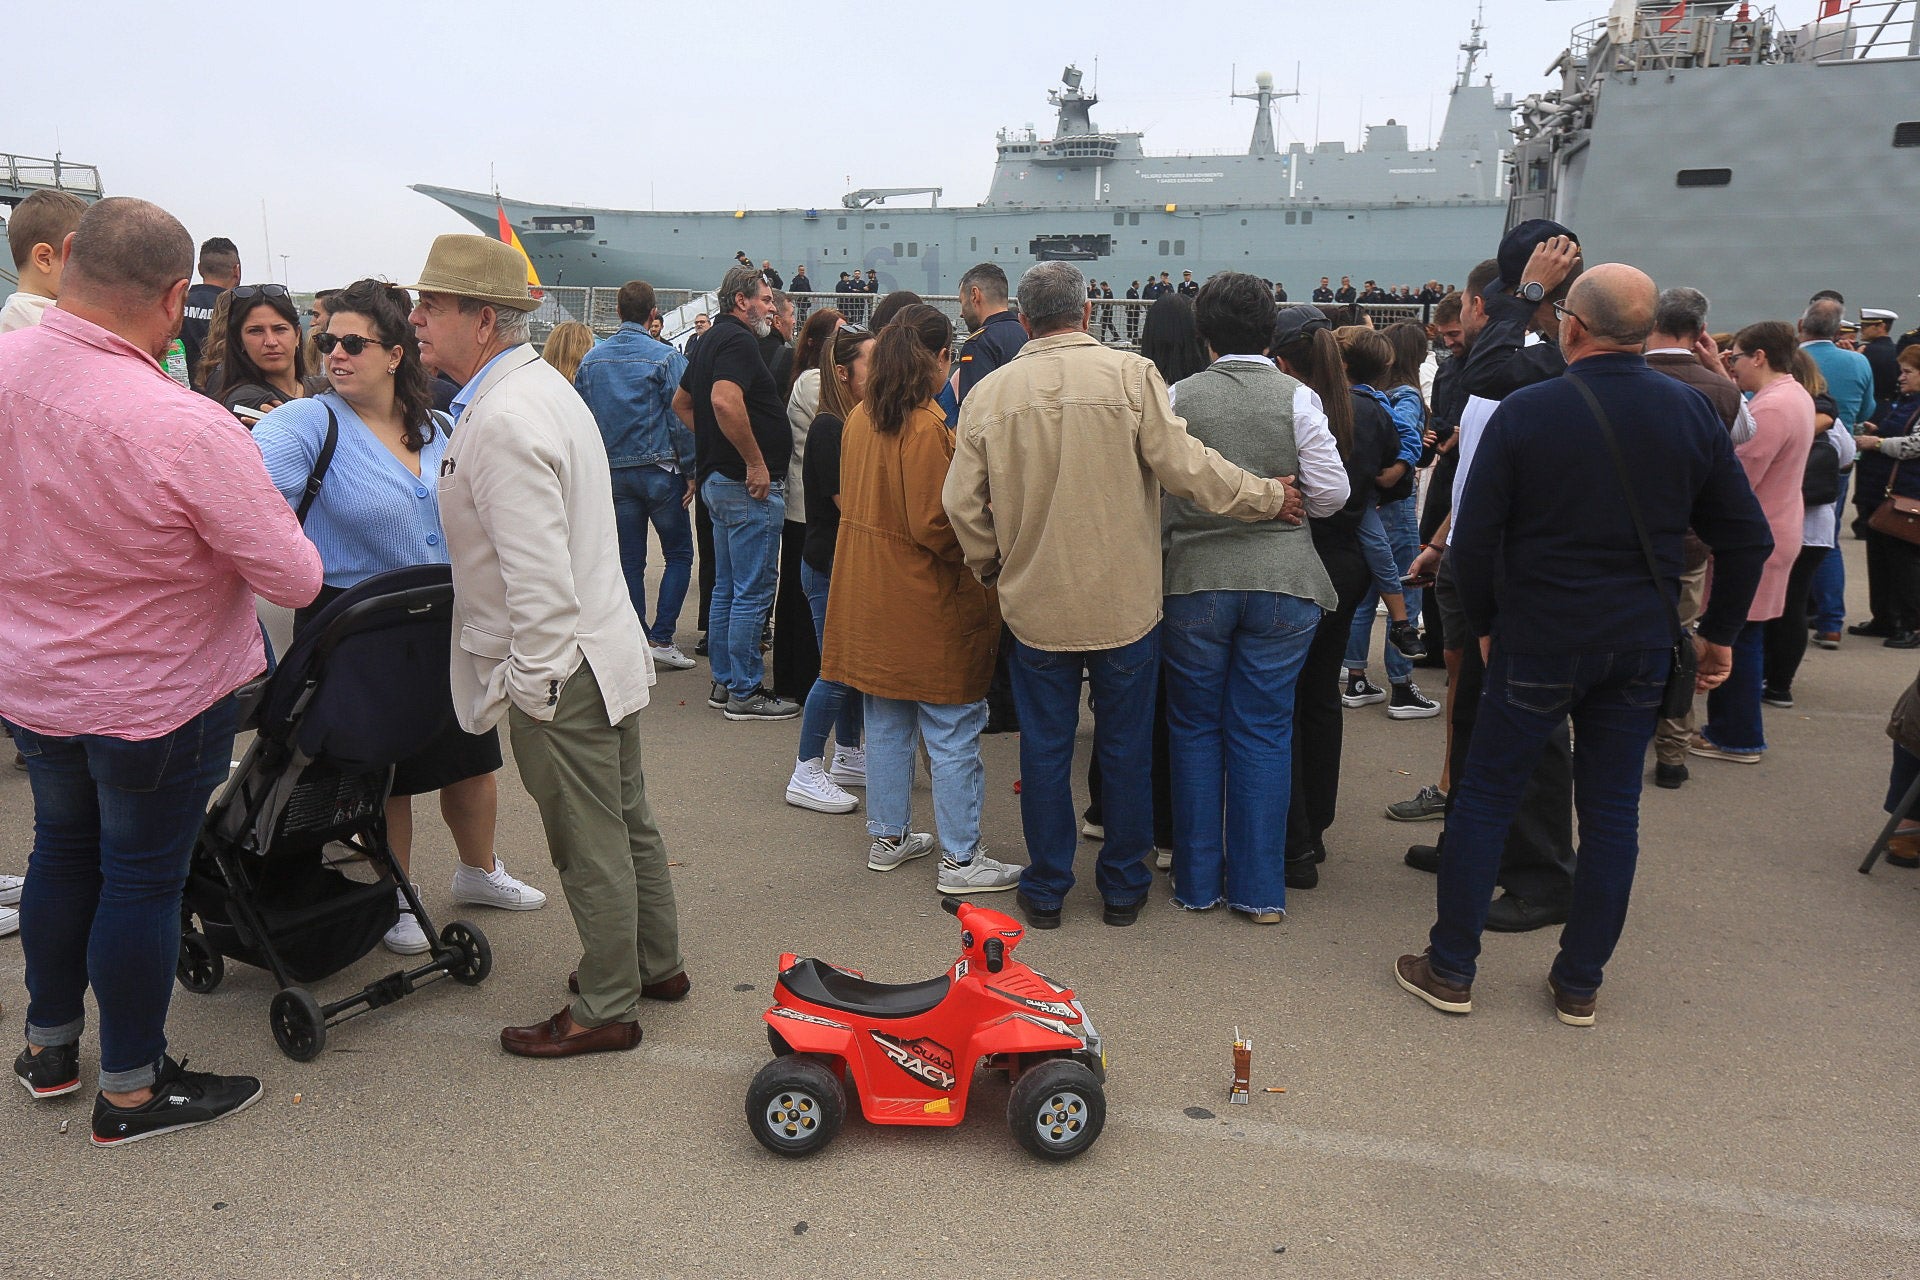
296	1099
1273	1089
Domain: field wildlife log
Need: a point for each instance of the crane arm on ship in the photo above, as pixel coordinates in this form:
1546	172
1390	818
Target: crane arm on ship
878	195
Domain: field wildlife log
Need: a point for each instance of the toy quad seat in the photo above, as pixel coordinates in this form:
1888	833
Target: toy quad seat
818	982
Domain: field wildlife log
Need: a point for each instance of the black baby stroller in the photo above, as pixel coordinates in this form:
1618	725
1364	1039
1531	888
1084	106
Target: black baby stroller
363	687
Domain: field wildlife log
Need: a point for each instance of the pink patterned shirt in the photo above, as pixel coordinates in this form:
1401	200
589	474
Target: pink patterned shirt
136	524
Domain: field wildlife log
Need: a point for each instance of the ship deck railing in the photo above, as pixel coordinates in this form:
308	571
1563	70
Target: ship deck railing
21	176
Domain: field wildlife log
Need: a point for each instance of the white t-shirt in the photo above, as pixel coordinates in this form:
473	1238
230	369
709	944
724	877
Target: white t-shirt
23	311
1473	421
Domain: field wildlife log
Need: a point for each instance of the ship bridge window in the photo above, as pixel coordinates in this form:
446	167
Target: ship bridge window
1306	217
1179	248
1119	219
913	248
566	222
1704	178
1133	219
840	224
1293	217
1163	248
899	250
1907	134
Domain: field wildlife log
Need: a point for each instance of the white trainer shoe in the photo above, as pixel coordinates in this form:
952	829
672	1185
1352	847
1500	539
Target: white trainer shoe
981	875
849	767
9	921
889	852
498	889
406	938
670	657
10	886
811	788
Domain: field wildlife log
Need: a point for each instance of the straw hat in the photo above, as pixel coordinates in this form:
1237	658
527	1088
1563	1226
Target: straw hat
477	267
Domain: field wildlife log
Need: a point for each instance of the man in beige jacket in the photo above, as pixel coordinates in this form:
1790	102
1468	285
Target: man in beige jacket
1054	494
545	635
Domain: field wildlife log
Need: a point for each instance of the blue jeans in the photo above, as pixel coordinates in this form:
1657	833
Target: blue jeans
830	704
1396	525
1046	692
746	558
114	825
1733	708
649	495
1613	699
952	734
1830	578
1232	659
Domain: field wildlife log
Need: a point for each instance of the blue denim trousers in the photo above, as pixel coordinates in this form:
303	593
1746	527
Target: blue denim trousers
1231	660
746	563
1733	708
1613	700
1046	692
650	495
952	734
1399	522
1829	593
830	704
114	825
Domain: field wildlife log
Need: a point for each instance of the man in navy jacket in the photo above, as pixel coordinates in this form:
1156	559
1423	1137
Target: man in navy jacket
1555	587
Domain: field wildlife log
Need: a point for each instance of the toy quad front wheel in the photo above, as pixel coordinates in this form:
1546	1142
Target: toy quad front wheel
795	1105
1057	1109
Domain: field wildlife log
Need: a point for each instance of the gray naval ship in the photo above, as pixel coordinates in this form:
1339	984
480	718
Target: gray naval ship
1388	211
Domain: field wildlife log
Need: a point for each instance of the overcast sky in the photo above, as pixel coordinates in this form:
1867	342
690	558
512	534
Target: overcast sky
326	112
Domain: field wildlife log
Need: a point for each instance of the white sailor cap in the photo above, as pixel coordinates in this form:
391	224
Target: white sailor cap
1869	314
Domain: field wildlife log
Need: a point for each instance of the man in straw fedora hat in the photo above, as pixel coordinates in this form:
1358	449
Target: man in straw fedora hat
546	636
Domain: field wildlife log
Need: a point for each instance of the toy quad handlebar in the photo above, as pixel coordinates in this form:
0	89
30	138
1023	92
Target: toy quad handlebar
950	905
993	950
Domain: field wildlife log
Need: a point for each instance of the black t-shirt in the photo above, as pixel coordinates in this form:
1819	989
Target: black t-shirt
730	353
820	476
193	329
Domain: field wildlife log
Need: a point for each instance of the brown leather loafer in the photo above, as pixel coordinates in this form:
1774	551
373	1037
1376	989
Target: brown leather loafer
674	988
1416	976
1575	1011
546	1039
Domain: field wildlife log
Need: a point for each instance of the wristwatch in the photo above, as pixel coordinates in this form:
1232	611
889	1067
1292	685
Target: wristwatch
1533	291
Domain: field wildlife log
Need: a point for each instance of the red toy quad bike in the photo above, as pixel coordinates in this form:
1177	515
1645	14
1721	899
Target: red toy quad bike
911	1049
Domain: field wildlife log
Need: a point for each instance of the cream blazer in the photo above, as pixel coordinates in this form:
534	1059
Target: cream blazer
526	502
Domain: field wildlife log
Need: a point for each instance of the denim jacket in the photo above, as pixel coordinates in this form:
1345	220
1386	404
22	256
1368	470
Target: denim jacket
628	381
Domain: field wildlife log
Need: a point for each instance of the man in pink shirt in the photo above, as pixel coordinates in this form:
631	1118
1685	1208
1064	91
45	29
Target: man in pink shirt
136	524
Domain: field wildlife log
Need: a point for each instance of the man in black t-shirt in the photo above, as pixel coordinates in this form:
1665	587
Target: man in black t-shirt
742	443
219	272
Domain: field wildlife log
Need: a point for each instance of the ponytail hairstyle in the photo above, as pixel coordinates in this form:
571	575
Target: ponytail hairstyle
838	353
1308	350
905	370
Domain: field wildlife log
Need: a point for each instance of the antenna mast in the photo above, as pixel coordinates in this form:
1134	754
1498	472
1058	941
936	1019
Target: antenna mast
1474	46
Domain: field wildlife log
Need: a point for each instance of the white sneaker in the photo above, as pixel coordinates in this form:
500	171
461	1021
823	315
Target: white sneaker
670	657
981	875
1163	859
849	766
1091	830
406	938
10	887
496	889
9	921
811	788
889	852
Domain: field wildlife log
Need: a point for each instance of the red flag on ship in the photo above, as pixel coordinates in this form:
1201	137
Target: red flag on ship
507	236
1673	17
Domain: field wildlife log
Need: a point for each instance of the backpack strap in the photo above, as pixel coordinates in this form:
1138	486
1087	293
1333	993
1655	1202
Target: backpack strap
320	465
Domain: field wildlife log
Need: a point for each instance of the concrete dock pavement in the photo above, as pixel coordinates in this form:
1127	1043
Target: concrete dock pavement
1742	1107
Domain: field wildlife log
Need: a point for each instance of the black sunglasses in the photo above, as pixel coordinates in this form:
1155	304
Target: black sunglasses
353	342
245	291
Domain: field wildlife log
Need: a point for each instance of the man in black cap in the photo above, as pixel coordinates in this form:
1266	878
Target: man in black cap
1539	260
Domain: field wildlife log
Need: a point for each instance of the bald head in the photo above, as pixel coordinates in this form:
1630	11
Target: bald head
128	250
1615	303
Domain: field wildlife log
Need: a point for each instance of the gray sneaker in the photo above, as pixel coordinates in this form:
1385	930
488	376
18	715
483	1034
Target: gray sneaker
761	705
1428	806
889	852
980	875
717	695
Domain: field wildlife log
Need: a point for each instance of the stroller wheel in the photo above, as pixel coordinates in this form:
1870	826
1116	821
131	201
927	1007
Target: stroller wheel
299	1028
200	968
474	957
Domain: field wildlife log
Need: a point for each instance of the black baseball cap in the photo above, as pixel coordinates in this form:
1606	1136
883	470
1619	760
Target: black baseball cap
1296	322
1517	246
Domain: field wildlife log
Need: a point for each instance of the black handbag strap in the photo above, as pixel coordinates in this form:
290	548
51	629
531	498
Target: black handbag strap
320	465
1626	487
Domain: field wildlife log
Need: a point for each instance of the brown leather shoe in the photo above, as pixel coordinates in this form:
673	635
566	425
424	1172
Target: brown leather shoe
674	988
1575	1011
1415	974
546	1040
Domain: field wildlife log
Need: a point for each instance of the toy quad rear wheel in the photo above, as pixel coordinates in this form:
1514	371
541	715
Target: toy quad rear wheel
796	1104
1057	1109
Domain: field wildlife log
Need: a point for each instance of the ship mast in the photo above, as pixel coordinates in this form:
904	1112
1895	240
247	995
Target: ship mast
1263	93
1473	48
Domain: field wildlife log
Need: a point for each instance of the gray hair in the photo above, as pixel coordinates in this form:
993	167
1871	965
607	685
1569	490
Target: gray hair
1822	320
510	326
1053	296
738	281
1681	312
782	301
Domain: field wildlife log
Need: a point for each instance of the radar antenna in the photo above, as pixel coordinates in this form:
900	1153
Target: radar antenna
1265	94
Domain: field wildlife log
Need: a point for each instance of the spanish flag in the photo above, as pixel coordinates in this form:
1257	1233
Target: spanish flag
507	236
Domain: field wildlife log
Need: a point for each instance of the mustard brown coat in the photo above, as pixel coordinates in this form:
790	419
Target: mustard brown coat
906	619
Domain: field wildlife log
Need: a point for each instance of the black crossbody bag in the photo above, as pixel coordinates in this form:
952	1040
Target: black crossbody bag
1677	700
320	465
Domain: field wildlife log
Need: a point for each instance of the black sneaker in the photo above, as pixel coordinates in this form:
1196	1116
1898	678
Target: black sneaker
717	696
1405	637
1408	703
1360	692
1670	776
182	1099
54	1072
700	645
1781	698
1302	872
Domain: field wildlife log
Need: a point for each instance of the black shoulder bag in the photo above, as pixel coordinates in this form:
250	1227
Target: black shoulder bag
320	466
1677	700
